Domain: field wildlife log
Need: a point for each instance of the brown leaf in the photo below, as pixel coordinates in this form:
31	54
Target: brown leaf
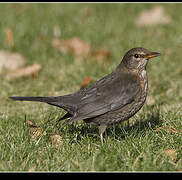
10	61
9	37
56	139
35	131
101	54
28	71
171	154
150	101
152	17
167	129
85	82
30	123
74	45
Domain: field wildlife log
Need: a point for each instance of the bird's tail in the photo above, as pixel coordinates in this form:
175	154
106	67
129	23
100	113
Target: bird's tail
40	99
59	101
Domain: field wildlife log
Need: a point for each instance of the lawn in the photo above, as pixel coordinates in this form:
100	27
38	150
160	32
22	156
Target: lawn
151	141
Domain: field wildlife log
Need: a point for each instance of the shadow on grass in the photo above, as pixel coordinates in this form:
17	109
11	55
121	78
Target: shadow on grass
149	121
145	124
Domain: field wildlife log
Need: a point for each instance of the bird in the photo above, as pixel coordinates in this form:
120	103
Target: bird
113	99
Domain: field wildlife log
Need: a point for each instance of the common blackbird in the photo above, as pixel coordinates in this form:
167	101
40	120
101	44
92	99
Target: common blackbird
114	98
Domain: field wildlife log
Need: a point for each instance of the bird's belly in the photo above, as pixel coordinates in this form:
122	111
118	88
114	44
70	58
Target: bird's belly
121	114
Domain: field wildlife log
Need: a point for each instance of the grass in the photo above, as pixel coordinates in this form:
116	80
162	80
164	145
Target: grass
137	147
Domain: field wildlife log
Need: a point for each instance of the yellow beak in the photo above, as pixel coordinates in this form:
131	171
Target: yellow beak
152	55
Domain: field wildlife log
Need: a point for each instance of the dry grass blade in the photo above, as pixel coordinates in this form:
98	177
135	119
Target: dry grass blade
167	129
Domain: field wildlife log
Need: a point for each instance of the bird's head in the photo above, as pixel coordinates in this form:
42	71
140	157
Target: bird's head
137	58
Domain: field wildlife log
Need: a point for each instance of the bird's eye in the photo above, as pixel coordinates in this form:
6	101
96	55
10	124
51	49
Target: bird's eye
136	56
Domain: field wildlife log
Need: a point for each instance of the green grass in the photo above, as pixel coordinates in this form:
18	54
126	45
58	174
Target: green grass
135	148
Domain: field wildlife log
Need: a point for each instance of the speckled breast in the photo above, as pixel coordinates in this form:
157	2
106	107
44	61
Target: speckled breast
128	110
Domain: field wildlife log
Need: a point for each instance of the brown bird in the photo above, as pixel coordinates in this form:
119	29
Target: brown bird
113	99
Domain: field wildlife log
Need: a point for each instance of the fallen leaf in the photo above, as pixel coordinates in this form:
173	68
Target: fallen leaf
85	82
56	139
11	61
167	129
9	37
101	54
30	123
150	101
35	131
171	154
74	45
154	16
28	71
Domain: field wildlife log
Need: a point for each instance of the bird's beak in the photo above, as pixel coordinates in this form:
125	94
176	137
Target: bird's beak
152	55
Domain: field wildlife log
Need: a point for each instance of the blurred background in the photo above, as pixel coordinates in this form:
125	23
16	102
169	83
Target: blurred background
52	48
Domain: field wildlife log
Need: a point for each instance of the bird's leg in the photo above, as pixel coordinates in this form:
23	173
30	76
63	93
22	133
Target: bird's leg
102	128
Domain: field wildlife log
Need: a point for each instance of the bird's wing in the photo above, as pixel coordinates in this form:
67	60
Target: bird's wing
107	95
